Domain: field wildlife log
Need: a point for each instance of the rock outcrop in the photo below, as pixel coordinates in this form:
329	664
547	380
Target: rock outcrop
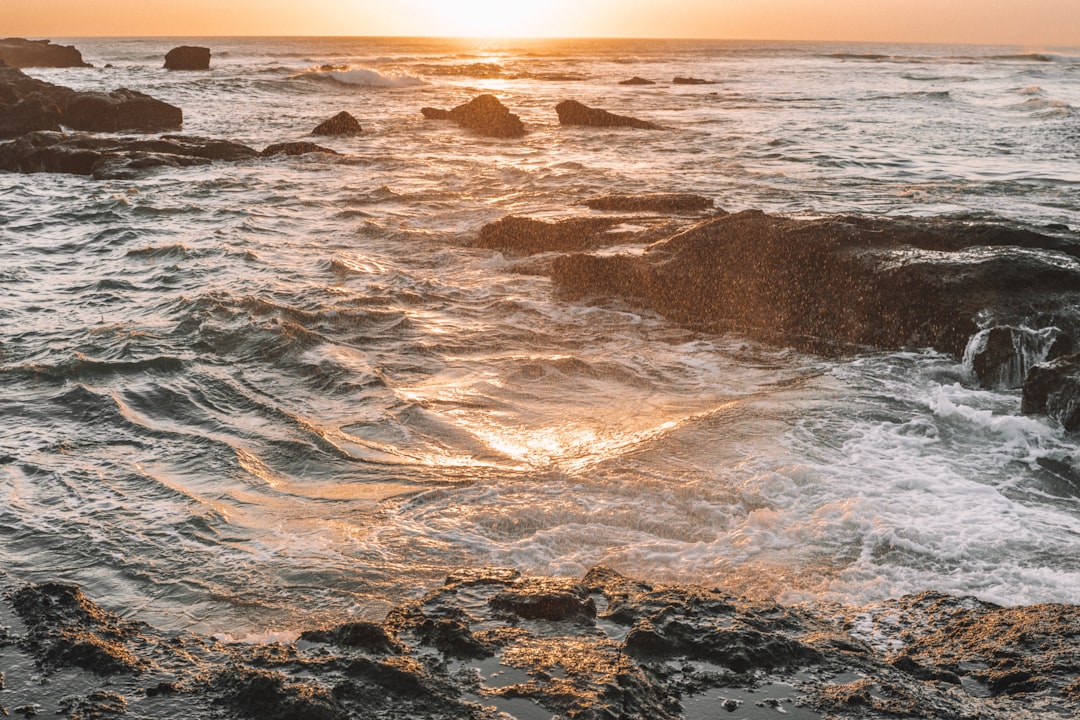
637	81
342	124
484	115
571	112
1053	389
112	158
845	282
603	646
28	105
188	57
20	53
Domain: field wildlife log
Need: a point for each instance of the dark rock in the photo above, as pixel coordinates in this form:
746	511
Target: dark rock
637	81
841	282
691	81
1053	389
268	695
651	202
121	109
112	158
28	105
484	115
20	53
341	124
295	148
538	604
522	235
571	112
1001	357
188	57
366	635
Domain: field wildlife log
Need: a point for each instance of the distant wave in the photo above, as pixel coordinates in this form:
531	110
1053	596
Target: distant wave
963	59
918	95
363	77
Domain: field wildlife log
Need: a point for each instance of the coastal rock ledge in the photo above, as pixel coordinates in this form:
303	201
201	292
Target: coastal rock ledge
595	648
21	53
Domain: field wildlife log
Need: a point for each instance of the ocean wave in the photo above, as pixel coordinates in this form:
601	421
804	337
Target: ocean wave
362	77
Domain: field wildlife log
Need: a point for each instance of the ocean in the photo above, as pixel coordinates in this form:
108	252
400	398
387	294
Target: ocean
245	398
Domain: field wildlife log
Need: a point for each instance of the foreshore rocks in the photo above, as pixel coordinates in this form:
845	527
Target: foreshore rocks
650	202
28	105
571	112
603	646
484	115
295	148
844	282
188	57
21	53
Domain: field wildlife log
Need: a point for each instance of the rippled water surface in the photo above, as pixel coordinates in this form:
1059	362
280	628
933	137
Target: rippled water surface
242	396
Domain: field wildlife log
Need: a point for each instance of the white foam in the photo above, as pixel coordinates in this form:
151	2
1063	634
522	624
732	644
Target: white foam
366	77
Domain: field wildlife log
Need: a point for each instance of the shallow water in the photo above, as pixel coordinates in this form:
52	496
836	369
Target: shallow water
245	397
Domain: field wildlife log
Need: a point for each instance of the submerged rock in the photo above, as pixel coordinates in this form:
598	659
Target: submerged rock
21	53
28	105
295	148
188	57
844	282
484	115
637	81
691	81
571	112
341	124
650	202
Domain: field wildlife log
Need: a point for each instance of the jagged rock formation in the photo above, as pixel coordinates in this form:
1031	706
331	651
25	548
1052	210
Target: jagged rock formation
484	115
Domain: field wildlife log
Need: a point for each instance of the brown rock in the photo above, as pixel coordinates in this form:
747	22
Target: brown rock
483	114
571	112
188	57
295	148
341	124
650	202
20	53
637	81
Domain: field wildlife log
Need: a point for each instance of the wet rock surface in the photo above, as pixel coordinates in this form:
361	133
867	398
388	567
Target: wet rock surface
1053	389
637	81
113	157
28	105
295	148
22	53
484	115
650	202
518	236
844	282
602	646
571	112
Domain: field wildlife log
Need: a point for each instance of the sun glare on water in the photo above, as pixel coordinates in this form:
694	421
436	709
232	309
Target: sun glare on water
492	18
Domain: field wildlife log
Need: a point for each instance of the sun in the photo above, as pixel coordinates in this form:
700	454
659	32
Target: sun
492	18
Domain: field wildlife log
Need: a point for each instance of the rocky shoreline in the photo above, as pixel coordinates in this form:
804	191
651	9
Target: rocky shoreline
603	646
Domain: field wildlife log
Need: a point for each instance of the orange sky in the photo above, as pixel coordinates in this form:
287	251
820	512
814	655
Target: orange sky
1032	23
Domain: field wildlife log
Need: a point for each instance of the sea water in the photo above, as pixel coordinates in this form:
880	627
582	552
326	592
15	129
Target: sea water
247	398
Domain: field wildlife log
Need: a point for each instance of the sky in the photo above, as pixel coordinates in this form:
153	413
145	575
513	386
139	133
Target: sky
1029	23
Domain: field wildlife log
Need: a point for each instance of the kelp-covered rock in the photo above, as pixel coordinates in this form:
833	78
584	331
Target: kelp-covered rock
571	112
28	105
22	53
845	281
603	646
484	115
